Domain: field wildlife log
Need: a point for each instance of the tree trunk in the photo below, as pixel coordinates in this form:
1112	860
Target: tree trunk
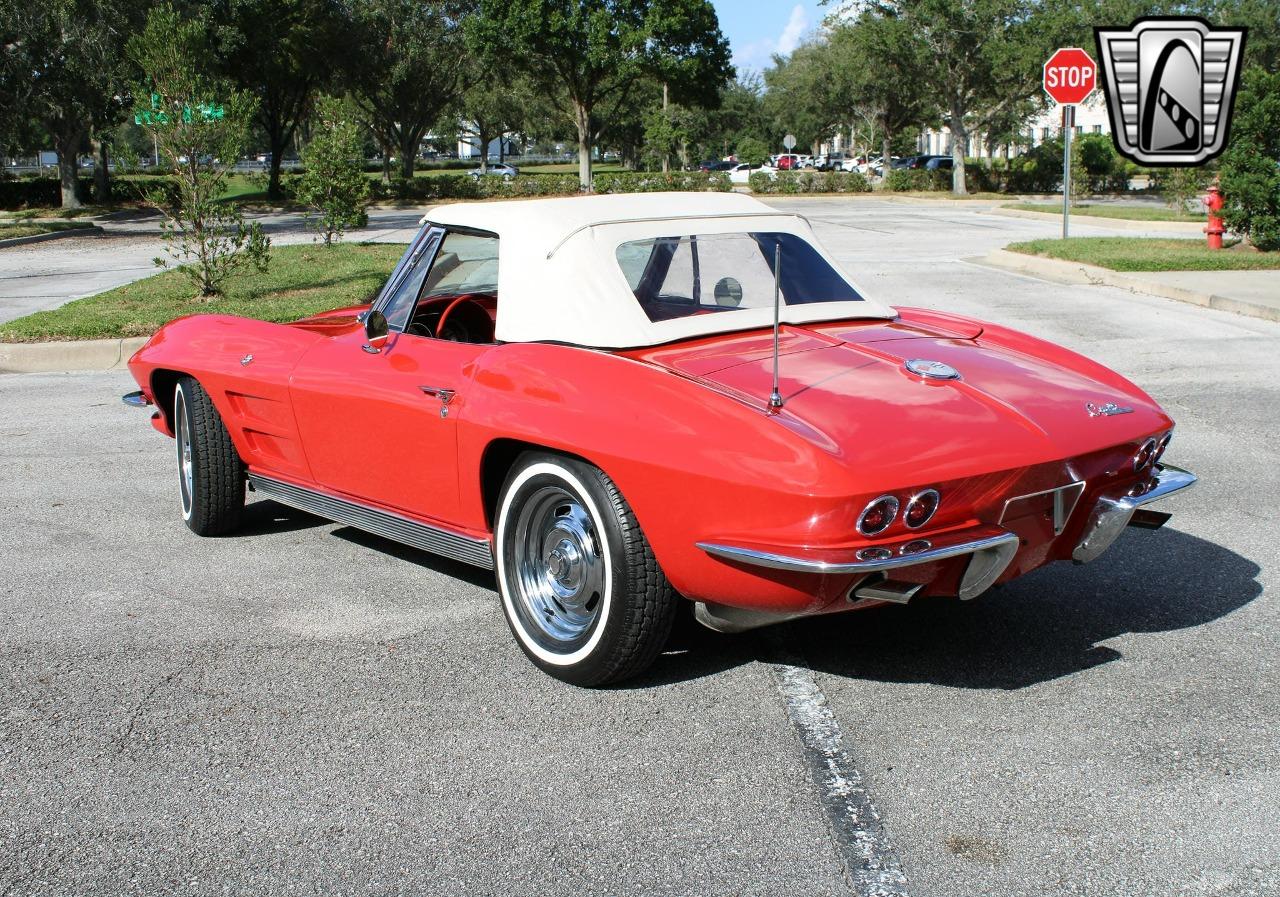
409	142
386	162
884	154
273	182
482	134
101	175
582	118
67	144
666	157
959	142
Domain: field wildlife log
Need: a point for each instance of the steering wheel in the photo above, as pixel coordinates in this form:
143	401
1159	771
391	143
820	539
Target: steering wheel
466	320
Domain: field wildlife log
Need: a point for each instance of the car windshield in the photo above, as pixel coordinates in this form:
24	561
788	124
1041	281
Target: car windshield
677	276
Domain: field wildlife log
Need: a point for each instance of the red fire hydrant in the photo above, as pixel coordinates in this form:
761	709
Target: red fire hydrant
1213	204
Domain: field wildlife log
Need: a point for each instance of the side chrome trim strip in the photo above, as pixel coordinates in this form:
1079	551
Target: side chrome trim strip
809	565
381	523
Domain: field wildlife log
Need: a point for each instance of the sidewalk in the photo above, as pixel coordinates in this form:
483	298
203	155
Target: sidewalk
47	275
1252	293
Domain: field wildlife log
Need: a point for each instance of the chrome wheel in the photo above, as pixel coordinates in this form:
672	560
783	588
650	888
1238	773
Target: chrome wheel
182	436
559	568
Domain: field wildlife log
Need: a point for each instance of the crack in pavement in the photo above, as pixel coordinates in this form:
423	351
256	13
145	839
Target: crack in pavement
123	741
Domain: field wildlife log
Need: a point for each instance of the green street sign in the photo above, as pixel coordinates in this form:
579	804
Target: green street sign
155	115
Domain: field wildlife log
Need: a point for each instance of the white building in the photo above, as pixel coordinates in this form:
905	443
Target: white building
1091	118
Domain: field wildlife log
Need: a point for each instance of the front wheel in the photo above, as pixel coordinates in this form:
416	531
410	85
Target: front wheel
210	473
581	589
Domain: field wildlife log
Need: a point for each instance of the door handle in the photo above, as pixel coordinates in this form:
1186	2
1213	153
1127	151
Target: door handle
444	395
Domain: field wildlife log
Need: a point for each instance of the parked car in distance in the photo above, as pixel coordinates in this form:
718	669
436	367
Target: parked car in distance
787	162
741	172
929	162
717	165
635	406
495	169
830	161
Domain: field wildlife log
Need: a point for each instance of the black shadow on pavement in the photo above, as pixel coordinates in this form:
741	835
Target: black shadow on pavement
1049	624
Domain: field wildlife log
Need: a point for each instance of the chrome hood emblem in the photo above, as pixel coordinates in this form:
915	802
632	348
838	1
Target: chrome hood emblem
932	370
1106	409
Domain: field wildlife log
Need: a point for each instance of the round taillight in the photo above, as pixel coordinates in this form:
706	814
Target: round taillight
1163	444
876	517
1145	455
920	508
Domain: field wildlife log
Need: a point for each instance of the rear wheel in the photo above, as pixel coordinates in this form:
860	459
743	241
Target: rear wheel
581	589
210	473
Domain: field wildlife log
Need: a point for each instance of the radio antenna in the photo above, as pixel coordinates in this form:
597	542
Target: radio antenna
775	397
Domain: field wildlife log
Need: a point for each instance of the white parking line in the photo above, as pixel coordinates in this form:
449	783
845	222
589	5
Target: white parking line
869	859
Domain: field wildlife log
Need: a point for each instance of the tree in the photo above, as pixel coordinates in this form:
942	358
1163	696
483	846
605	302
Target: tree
590	53
63	66
333	182
751	151
803	95
200	123
1250	170
491	108
878	66
281	52
979	57
404	69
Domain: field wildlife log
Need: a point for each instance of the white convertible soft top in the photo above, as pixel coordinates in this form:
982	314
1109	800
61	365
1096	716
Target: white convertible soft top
559	279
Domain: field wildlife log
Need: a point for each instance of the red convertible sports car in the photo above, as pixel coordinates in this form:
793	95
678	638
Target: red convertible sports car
623	403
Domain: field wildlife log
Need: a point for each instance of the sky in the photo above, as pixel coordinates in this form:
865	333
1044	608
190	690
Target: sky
757	29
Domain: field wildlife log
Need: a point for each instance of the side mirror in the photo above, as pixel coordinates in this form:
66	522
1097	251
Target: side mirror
375	332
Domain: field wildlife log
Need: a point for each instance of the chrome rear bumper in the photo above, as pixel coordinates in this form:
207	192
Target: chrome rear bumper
137	399
1111	515
990	548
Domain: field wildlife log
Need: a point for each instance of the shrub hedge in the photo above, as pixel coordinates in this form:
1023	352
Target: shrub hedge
464	186
657	182
47	192
789	182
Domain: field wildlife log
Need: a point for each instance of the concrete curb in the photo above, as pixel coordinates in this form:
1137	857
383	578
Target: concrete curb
1172	227
93	230
1079	273
82	355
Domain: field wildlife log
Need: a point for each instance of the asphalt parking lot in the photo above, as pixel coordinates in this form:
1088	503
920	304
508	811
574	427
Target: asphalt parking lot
304	709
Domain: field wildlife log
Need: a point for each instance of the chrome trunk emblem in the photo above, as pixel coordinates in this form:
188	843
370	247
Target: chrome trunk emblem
246	361
1106	410
932	370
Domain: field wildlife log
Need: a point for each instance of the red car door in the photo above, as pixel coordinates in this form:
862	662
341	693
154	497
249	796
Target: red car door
381	425
371	424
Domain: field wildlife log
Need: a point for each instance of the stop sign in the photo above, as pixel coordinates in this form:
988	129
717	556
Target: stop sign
1070	76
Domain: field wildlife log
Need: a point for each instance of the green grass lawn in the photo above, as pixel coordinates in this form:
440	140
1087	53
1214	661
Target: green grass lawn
23	228
49	212
302	280
1110	210
1141	254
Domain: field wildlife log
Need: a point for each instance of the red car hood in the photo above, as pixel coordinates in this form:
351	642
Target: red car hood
847	389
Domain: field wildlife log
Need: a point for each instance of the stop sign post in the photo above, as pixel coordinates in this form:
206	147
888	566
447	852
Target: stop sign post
1070	76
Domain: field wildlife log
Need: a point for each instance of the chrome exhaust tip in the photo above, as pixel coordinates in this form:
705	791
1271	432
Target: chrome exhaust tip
877	588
